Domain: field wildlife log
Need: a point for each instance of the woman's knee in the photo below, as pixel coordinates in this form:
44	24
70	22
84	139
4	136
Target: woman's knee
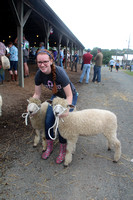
62	140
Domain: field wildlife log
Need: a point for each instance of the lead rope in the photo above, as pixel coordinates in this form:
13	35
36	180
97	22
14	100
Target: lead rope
25	115
56	124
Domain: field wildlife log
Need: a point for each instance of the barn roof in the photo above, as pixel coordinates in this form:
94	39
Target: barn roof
41	14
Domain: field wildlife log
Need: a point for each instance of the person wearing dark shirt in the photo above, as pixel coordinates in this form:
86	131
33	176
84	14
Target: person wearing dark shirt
54	78
87	57
55	53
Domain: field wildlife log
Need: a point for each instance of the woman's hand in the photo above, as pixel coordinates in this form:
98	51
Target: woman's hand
64	115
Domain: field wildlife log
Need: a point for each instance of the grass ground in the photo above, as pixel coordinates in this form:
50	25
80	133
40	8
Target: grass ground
128	72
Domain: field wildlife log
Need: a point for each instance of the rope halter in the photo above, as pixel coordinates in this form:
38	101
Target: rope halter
32	109
57	110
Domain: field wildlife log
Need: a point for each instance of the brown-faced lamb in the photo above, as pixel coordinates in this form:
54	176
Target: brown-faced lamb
85	122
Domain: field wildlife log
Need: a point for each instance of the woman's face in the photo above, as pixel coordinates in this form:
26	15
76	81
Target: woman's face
44	63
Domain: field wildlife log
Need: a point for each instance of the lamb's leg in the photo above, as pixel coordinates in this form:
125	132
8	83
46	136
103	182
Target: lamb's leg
116	143
74	148
44	144
117	154
109	145
37	138
69	150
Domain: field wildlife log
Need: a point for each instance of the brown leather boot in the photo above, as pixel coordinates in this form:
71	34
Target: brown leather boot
12	77
15	76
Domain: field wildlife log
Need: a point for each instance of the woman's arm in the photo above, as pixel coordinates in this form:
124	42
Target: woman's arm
69	97
37	93
68	93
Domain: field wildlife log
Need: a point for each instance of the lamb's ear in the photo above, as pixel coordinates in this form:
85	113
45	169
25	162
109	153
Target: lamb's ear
49	101
28	100
71	106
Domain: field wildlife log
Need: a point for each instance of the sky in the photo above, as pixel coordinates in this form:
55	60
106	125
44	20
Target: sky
107	24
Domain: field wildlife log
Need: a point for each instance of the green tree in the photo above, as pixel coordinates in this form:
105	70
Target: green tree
94	53
106	56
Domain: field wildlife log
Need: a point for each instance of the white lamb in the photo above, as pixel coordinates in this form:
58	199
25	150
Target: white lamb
37	113
0	105
85	122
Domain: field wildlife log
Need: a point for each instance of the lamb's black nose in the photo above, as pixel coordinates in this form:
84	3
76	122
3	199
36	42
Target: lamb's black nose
56	113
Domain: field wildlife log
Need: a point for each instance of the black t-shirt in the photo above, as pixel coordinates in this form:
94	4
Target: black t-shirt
62	80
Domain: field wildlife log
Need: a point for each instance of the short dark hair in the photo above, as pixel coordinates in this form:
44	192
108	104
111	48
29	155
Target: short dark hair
42	43
99	49
10	43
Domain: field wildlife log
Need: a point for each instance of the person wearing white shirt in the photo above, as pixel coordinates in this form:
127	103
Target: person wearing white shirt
111	63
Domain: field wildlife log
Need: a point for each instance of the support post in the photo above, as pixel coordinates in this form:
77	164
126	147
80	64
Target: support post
71	47
59	43
67	42
20	43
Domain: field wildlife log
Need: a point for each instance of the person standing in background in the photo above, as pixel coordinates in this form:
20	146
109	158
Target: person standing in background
26	51
75	61
68	59
55	53
25	56
111	63
97	68
61	57
2	53
13	57
117	65
41	45
87	57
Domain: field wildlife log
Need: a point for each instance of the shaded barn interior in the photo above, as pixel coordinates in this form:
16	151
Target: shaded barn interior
41	18
39	23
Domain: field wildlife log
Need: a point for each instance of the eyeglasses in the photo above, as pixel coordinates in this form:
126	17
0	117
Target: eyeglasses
42	62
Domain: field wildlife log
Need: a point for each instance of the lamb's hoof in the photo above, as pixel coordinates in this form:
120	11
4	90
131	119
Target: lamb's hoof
114	161
34	146
109	149
65	166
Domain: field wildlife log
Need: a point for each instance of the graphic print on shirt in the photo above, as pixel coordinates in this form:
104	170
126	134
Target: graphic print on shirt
50	85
